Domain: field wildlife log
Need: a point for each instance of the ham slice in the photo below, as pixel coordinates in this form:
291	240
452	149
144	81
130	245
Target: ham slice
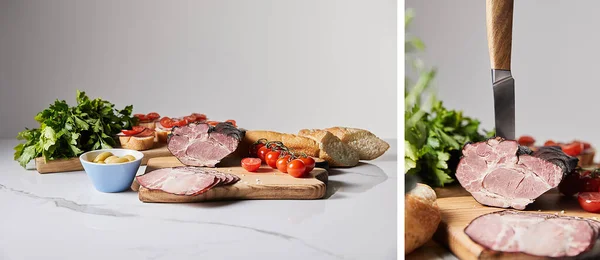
187	181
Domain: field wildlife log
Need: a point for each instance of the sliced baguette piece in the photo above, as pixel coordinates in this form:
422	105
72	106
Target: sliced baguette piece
294	142
148	124
136	143
367	144
422	217
332	149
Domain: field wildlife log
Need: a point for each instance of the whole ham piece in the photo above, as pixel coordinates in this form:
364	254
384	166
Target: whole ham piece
199	144
500	173
185	180
548	235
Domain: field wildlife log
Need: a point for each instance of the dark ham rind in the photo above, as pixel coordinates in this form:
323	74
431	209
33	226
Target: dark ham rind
200	144
500	173
547	235
189	181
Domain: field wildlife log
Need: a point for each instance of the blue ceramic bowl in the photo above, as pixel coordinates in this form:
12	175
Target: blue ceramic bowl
111	177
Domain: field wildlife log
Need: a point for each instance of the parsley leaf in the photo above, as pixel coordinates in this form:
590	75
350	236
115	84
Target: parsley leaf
67	132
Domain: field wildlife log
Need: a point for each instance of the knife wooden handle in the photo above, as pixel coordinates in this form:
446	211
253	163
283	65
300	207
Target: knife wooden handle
499	19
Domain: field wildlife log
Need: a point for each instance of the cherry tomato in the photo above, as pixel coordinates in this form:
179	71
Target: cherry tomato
262	152
589	201
189	119
251	164
181	122
550	143
213	123
526	140
591	184
130	132
309	162
296	168
271	158
142	117
254	149
138	128
167	122
153	116
232	122
282	163
199	117
573	149
571	184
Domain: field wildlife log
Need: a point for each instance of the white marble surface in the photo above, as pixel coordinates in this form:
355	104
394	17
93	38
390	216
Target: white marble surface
62	216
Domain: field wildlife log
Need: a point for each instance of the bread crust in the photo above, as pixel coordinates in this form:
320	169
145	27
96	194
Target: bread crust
367	144
332	149
137	143
294	142
421	217
162	136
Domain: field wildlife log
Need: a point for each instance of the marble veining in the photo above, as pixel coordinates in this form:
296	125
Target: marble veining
65	218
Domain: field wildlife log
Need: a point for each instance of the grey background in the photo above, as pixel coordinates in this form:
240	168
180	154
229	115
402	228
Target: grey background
555	54
281	65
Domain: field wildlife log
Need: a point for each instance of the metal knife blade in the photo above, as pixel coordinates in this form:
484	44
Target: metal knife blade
504	103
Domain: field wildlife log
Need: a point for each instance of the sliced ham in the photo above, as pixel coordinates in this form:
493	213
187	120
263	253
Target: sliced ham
536	234
199	144
187	181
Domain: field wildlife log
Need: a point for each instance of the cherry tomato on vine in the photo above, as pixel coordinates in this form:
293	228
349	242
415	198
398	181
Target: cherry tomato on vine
254	149
271	158
309	162
262	152
251	164
296	168
282	163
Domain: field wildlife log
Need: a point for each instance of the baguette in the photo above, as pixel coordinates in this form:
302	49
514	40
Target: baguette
421	217
136	143
368	146
293	142
332	149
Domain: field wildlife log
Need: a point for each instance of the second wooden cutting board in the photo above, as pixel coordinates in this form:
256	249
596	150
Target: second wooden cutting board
267	183
458	212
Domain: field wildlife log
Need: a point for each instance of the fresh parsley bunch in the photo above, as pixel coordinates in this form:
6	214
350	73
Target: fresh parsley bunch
433	135
67	132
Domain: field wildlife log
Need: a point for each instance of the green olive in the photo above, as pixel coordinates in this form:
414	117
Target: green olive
129	157
118	160
102	156
110	159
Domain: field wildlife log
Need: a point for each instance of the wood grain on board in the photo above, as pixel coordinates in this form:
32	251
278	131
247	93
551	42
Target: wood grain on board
458	212
267	183
73	164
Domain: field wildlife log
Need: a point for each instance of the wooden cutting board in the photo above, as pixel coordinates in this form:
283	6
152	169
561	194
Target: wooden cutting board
73	164
266	183
458	212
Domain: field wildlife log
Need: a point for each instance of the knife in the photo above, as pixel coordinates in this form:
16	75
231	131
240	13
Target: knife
499	19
